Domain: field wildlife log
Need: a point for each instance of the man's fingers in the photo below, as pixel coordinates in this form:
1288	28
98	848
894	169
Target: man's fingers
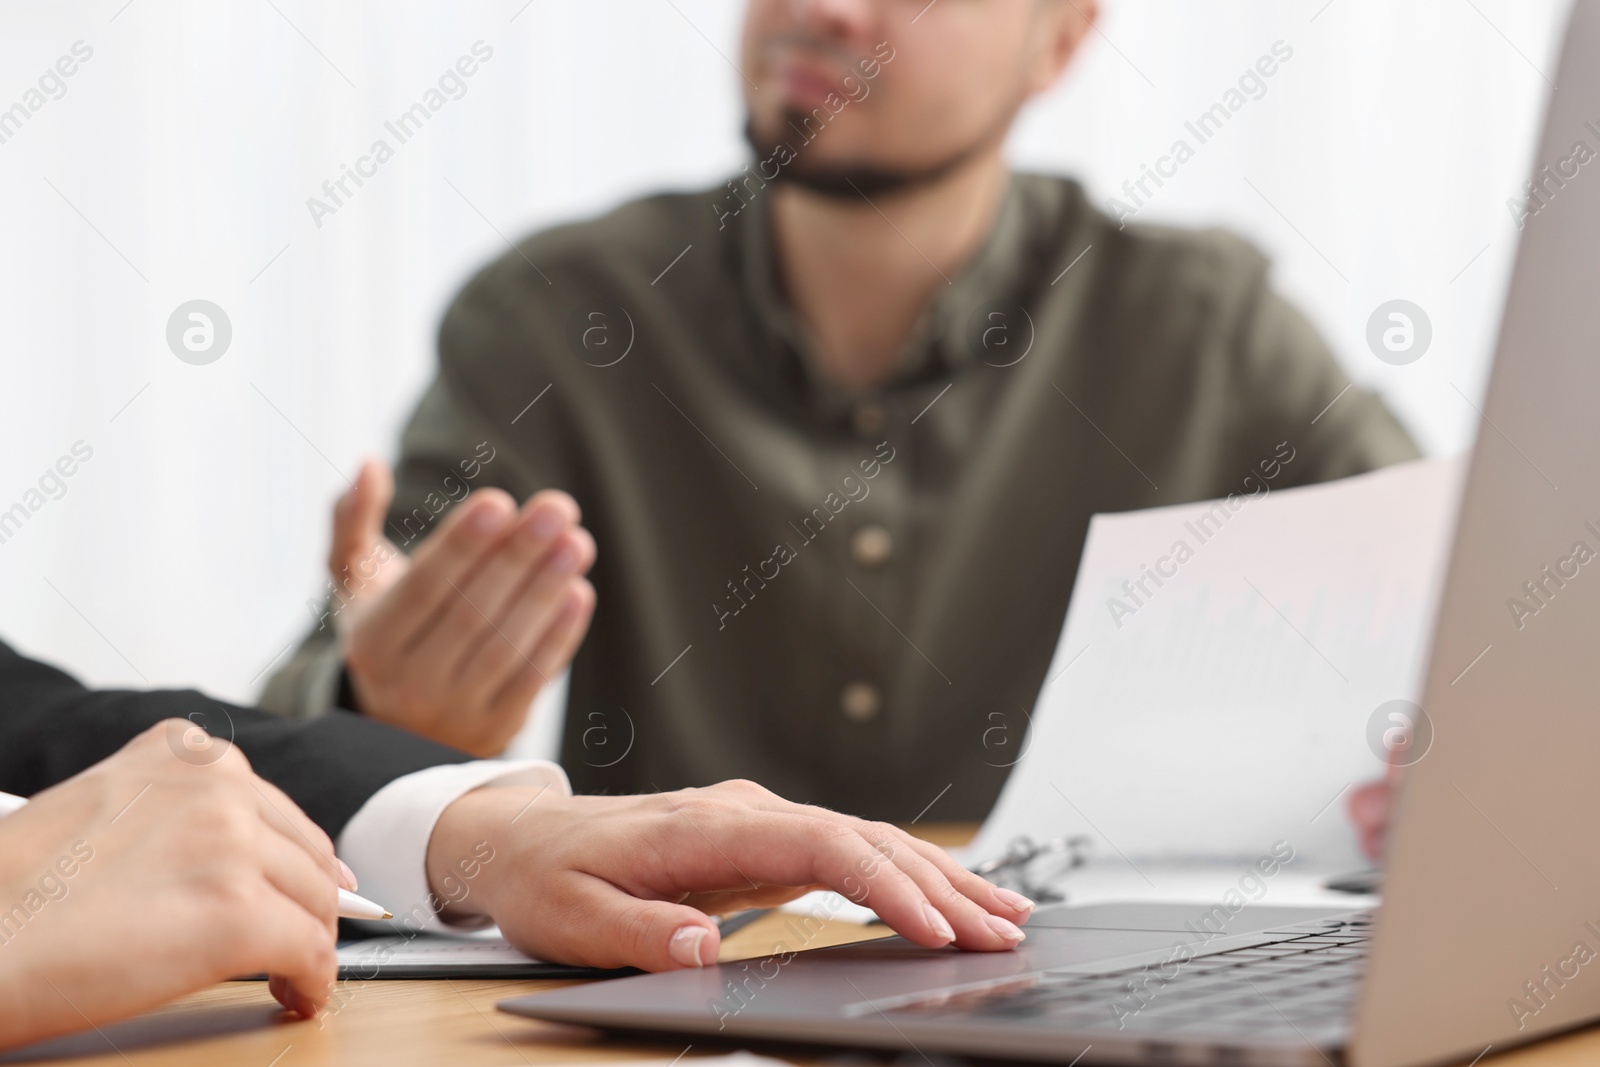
433	582
536	537
358	516
449	537
510	602
596	924
549	658
374	490
452	632
553	654
517	653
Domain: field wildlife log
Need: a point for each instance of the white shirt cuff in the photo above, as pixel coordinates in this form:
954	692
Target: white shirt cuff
386	842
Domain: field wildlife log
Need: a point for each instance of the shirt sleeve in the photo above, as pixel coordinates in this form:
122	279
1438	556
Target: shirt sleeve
308	685
1293	390
386	842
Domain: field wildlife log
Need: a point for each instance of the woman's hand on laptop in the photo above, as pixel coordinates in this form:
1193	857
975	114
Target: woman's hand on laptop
163	869
634	880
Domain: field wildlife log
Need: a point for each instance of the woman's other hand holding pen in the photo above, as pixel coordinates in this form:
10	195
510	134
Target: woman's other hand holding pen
159	871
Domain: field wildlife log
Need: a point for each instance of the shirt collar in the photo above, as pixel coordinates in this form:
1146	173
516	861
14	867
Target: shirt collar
943	340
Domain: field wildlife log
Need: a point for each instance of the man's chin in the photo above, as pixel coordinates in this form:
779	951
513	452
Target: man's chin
854	179
839	181
853	183
850	180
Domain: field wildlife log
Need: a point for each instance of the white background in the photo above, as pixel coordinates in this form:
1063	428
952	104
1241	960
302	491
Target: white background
179	161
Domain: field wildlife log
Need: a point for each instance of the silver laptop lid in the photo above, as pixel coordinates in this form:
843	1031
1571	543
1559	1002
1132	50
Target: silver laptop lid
1490	930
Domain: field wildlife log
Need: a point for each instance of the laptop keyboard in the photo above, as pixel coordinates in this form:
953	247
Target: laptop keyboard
1300	980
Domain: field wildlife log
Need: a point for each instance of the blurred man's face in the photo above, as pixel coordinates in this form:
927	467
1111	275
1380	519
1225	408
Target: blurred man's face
884	94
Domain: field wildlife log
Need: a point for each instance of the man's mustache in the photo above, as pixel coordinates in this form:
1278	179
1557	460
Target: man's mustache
810	45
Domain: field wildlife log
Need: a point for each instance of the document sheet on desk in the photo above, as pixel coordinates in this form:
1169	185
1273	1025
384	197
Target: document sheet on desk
1213	685
481	954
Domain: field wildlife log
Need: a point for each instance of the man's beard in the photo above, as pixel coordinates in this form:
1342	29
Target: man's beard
852	181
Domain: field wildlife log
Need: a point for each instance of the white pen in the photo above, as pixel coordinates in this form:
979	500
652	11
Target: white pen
355	906
351	905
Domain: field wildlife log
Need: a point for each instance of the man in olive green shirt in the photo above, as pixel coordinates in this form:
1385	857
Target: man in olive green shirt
838	426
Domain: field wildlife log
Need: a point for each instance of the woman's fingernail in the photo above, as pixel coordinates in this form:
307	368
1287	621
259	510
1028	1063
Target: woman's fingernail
349	875
684	948
1006	930
940	924
1014	899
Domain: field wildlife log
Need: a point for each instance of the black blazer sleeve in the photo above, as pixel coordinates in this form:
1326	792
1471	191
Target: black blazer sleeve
52	727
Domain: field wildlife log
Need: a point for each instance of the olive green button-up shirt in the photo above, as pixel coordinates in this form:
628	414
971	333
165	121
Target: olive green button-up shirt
843	596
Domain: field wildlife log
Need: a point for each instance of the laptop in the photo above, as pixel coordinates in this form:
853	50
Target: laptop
1489	930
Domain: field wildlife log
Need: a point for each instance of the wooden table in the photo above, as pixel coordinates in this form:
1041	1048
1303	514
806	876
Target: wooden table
455	1023
451	1024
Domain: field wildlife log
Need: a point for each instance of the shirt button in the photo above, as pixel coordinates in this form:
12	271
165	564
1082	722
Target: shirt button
871	546
869	419
860	702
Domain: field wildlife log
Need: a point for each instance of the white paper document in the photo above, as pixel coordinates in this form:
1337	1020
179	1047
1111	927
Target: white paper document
1212	688
407	956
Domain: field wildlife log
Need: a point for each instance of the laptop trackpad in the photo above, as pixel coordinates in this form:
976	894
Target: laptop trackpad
1058	936
1196	919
